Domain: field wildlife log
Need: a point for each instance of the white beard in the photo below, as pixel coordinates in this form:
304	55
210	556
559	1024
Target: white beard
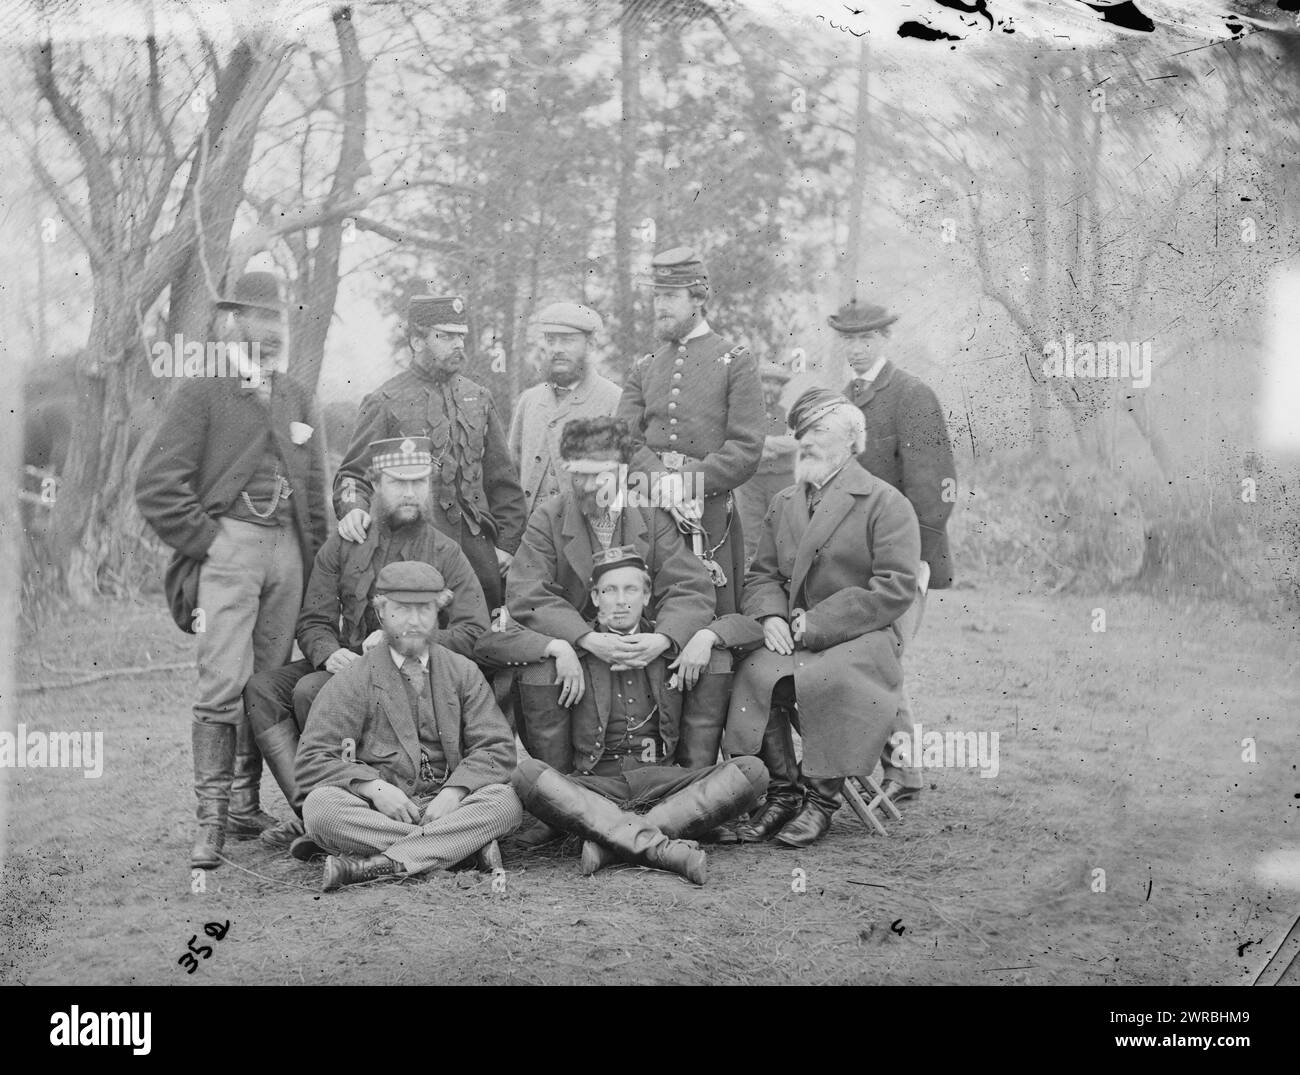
814	471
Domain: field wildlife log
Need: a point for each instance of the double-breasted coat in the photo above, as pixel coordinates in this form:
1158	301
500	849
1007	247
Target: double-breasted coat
367	703
852	567
703	399
908	446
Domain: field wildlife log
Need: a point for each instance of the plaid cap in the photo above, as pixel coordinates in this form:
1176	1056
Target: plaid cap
679	267
617	556
446	313
403	457
854	318
409	580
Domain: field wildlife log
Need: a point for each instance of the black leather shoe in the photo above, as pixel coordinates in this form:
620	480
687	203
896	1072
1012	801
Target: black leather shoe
778	810
350	869
898	793
304	849
807	828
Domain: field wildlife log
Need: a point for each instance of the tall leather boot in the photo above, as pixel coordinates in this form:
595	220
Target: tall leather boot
694	811
279	747
704	715
820	803
214	769
784	792
247	818
565	805
548	725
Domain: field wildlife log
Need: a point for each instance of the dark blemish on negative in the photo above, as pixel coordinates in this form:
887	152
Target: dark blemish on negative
1125	14
980	7
924	33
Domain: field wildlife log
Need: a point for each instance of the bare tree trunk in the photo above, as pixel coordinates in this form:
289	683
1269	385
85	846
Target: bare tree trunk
852	256
624	334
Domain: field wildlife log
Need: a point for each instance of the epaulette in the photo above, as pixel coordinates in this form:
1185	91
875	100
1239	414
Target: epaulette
735	352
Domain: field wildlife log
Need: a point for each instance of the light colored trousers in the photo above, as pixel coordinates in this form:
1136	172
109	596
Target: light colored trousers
250	591
346	824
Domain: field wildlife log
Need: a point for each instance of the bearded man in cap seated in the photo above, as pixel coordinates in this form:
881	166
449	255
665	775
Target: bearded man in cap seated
836	567
572	389
406	759
625	798
477	501
548	591
338	620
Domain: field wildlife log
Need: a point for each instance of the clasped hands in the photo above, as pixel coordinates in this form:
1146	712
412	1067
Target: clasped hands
394	803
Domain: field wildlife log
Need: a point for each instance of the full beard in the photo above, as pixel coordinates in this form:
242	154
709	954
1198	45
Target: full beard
813	471
674	330
569	375
403	515
408	644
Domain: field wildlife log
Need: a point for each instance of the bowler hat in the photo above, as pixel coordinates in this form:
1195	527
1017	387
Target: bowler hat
854	318
255	290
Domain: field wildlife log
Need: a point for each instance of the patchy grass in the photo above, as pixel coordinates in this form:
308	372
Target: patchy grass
1119	751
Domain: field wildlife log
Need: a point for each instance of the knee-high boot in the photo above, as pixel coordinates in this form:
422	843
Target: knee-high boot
704	715
214	766
729	791
565	805
247	818
279	747
784	793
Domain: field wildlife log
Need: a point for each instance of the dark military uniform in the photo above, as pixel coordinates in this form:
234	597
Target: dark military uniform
477	499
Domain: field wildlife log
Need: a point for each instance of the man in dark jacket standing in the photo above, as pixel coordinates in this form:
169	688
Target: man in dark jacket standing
695	409
338	618
907	446
477	500
235	479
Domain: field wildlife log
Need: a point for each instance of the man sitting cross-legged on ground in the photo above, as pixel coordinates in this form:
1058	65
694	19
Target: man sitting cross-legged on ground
406	758
337	618
626	720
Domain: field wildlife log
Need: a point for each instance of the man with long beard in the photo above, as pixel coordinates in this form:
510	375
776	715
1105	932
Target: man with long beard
836	567
406	760
338	621
572	389
695	408
477	501
235	483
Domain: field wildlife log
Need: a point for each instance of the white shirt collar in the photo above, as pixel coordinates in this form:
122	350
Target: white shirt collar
874	372
398	659
701	329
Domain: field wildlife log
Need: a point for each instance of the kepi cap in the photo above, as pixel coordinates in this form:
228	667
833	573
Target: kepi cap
446	313
678	267
618	556
409	580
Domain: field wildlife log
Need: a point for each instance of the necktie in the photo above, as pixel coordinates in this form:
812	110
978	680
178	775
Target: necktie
413	670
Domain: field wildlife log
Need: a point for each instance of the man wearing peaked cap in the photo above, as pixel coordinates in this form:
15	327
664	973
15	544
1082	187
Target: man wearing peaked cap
234	482
907	446
572	389
477	500
695	407
406	759
835	570
338	620
627	710
775	467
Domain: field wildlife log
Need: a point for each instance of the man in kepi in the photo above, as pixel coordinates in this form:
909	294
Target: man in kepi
695	409
234	479
406	758
625	800
572	389
907	446
835	569
338	618
477	501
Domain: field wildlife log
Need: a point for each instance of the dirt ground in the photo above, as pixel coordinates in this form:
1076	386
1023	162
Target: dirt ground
1119	751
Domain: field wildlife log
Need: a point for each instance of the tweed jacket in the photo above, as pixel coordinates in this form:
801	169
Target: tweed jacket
342	585
475	480
208	446
908	446
852	567
367	704
548	588
538	422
